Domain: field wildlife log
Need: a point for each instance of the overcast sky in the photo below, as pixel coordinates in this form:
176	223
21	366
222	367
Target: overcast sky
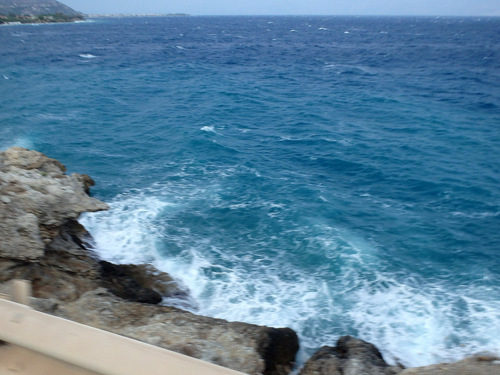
290	7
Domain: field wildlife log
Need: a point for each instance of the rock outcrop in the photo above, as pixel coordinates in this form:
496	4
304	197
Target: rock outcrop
245	347
42	241
352	356
139	283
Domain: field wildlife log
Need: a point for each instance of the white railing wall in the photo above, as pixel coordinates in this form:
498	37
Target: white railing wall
42	344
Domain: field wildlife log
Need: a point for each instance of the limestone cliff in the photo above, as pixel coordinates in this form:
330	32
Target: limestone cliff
40	239
352	356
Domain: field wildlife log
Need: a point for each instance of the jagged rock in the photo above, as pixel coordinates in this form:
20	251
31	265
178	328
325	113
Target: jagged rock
245	347
119	280
139	283
65	271
37	199
357	357
351	356
41	240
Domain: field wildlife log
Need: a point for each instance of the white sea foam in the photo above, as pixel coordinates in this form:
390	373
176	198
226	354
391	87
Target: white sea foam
21	34
418	326
410	321
476	215
126	233
66	116
208	129
87	56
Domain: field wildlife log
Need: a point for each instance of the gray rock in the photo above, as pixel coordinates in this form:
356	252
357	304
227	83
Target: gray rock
44	200
41	240
244	347
357	357
119	280
351	356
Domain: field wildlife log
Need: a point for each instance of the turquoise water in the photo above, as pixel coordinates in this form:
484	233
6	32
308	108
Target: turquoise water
337	175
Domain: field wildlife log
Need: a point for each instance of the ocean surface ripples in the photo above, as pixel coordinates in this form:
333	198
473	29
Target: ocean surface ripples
338	175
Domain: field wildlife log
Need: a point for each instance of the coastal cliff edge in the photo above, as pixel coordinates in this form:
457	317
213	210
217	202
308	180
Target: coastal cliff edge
42	241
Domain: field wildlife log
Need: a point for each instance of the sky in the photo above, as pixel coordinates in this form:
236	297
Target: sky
290	7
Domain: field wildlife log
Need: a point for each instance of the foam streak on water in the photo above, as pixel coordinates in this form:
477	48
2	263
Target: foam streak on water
337	175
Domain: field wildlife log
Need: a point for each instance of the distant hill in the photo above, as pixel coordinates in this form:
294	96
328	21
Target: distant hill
35	8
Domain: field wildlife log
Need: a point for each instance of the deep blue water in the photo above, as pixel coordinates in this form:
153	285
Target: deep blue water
337	175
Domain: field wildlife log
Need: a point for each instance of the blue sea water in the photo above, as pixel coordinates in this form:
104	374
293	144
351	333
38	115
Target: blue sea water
337	175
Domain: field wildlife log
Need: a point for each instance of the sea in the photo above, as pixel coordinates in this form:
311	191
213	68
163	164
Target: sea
335	175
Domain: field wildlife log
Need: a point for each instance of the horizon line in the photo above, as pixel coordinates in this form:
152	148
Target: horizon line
281	15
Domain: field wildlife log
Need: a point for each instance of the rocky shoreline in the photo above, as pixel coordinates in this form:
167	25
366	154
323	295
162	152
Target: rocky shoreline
42	241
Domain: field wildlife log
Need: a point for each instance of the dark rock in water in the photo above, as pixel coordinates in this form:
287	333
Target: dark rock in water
351	356
139	283
149	277
277	349
357	357
118	280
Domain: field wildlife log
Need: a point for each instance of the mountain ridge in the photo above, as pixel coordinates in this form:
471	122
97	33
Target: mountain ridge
35	8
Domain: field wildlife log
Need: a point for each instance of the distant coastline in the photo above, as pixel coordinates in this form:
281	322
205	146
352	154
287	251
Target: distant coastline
136	15
13	19
64	18
15	12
